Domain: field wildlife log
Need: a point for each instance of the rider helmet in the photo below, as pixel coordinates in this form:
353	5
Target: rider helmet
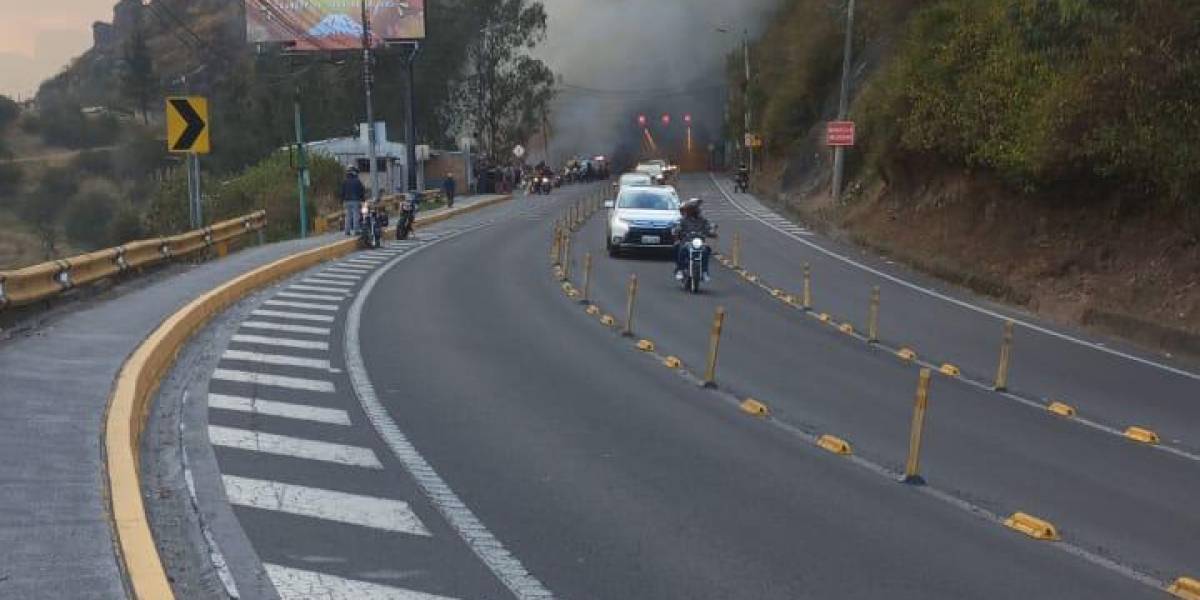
691	208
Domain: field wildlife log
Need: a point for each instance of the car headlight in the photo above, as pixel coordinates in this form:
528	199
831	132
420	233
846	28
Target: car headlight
619	226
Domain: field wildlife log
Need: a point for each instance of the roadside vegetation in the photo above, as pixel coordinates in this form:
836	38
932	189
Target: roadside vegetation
1044	151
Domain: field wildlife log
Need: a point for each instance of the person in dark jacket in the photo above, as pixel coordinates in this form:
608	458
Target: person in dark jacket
692	225
353	193
449	187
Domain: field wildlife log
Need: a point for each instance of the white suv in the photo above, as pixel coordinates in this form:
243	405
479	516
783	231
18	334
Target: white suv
641	217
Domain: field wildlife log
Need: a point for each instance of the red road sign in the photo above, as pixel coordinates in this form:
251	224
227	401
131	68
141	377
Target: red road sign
839	133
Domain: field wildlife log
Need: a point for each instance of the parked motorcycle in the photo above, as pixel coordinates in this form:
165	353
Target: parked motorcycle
408	217
374	221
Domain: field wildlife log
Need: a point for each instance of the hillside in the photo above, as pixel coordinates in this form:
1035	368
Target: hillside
1039	152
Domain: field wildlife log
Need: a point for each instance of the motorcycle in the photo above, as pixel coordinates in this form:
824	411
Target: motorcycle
694	273
742	183
408	216
374	220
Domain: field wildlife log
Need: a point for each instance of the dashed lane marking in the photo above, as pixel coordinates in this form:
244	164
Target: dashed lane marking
282	445
284	327
287	410
266	379
277	360
263	340
294	584
305	305
330	505
299	296
295	316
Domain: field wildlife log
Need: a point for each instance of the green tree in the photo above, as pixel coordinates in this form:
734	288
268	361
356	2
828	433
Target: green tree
41	208
9	111
138	82
503	91
87	219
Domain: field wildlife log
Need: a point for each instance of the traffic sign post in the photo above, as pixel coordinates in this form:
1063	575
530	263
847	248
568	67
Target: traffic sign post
188	133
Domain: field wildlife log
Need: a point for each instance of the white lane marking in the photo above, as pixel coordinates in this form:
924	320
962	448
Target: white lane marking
317	288
288	410
321	297
291	383
283	445
280	342
295	316
288	328
320	281
962	303
371	262
317	503
498	559
294	584
329	274
277	359
308	305
349	269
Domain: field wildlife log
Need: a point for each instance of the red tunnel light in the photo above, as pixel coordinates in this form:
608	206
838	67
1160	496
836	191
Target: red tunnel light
666	119
642	120
687	118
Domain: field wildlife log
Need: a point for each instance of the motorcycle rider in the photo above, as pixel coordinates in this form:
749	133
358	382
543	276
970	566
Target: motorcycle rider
743	176
692	225
353	193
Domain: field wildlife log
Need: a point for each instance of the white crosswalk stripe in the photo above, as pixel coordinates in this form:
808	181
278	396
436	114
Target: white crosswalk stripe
280	342
283	327
295	584
329	274
373	262
299	296
282	445
289	410
291	383
330	505
349	269
277	359
317	288
320	281
295	316
308	305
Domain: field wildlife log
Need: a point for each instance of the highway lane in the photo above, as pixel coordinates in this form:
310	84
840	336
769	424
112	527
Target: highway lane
609	476
1107	494
1115	390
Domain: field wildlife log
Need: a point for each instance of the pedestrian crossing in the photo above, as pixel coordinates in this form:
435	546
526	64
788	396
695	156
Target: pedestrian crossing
276	414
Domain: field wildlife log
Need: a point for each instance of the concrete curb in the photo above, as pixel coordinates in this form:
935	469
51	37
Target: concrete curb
139	378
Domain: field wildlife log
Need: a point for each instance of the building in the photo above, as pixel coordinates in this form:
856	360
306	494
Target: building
353	152
127	16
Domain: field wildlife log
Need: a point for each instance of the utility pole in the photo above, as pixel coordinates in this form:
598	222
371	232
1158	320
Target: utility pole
368	86
410	130
302	163
839	153
746	95
546	137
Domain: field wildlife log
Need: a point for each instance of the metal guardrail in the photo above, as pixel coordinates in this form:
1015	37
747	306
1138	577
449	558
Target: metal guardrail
48	279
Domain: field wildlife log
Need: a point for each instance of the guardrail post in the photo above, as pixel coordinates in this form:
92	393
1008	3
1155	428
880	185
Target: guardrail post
632	295
807	286
587	278
912	468
714	342
873	321
566	263
554	245
1005	357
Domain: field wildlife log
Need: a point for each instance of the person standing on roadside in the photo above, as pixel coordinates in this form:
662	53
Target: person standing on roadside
353	193
449	186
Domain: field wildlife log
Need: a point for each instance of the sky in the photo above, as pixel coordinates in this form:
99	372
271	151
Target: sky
39	37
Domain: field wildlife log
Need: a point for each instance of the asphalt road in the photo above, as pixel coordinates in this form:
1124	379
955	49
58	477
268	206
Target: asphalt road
541	454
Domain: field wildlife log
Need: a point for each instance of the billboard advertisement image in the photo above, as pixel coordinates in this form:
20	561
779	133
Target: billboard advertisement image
332	24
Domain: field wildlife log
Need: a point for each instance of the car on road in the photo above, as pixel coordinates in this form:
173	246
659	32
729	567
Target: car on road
656	169
641	218
634	179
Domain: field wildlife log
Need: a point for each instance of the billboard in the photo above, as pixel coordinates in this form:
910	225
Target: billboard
332	24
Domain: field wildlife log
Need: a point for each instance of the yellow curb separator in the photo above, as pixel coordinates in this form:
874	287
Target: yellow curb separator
1062	410
835	445
1141	434
775	293
592	309
1032	526
846	328
1186	588
138	380
754	407
950	370
907	354
645	345
608	321
823	317
672	362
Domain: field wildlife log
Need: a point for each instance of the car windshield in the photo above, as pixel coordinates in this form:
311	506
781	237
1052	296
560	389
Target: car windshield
639	179
647	201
